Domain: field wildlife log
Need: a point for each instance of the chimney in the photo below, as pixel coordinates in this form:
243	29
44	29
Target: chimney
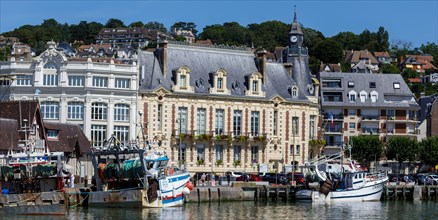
162	46
422	94
261	63
288	67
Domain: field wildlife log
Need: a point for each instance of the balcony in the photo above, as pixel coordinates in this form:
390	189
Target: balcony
222	136
334	129
339	116
370	117
370	131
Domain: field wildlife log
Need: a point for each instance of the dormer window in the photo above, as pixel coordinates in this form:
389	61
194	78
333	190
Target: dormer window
374	96
363	96
255	85
182	81
294	91
52	134
219	85
182	76
220	82
352	96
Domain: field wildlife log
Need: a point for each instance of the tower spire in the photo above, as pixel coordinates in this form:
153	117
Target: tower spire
295	12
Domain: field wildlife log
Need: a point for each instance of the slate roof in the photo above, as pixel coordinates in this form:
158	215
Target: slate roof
296	27
426	104
8	134
202	61
70	138
384	86
411	60
301	73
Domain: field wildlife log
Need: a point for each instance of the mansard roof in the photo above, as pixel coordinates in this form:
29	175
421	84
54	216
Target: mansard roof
388	95
239	64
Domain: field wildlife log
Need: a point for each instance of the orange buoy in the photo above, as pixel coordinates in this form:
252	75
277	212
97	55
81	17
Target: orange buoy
189	185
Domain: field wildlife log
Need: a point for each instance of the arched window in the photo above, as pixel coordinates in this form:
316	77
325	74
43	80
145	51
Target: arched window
75	110
121	112
294	91
50	76
98	111
50	110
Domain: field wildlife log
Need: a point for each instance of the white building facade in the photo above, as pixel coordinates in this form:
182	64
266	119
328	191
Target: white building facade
100	97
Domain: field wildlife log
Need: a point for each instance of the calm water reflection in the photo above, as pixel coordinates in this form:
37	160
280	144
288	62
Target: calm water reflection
250	210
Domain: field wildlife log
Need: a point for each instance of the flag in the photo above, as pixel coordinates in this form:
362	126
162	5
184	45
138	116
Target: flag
331	119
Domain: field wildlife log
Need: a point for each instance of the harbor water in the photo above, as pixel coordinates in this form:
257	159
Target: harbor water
252	210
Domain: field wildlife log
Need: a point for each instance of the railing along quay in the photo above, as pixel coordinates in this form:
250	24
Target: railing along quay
410	192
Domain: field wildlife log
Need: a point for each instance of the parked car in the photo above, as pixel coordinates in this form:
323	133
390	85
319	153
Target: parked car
432	180
234	173
298	178
274	178
421	178
251	177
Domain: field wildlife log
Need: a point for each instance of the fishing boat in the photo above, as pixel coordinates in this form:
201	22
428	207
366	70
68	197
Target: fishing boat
348	186
136	177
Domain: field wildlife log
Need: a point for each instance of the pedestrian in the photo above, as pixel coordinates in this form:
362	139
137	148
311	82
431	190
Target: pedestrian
72	180
203	177
229	179
213	183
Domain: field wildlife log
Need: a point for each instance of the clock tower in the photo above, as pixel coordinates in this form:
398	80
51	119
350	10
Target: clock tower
296	57
295	46
295	34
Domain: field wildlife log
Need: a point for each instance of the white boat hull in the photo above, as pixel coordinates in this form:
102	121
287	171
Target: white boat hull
170	194
371	192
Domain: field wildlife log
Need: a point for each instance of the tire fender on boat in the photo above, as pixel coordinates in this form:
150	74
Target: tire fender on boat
186	191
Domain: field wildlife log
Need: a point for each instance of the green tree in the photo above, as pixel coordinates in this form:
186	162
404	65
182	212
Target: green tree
268	34
382	39
5	53
347	40
230	33
429	150
114	23
136	24
430	89
409	73
154	25
389	68
400	48
188	26
432	49
311	39
329	51
366	148
402	149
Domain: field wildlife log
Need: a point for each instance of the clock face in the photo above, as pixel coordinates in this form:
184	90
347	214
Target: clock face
293	39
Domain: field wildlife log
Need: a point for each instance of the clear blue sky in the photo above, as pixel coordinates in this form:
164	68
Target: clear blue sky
407	20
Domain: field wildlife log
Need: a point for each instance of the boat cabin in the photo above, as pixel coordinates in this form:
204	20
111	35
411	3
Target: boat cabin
354	180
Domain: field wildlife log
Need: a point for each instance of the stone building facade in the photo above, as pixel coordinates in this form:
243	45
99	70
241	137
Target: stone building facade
217	109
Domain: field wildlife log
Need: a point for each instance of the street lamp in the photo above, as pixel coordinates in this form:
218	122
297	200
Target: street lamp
179	152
